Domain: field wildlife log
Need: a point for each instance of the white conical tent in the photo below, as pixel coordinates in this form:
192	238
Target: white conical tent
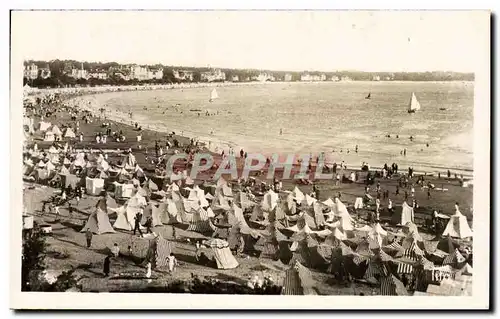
98	223
406	214
329	203
269	201
298	195
44	126
308	200
457	226
171	215
155	212
69	133
56	131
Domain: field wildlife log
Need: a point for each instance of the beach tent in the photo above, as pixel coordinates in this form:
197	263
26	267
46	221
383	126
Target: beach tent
319	218
392	286
98	223
49	137
222	253
298	195
44	126
457	226
94	186
56	131
129	161
124	190
328	203
200	222
159	251
122	221
298	281
404	216
269	201
155	212
69	133
358	204
171	215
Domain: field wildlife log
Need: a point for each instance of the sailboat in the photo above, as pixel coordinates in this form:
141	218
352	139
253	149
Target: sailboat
369	96
214	95
414	104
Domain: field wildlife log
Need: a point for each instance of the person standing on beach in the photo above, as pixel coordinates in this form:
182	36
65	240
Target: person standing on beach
404	152
172	263
106	266
137	224
88	237
428	193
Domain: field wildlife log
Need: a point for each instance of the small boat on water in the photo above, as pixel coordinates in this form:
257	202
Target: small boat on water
369	96
213	95
442	109
414	104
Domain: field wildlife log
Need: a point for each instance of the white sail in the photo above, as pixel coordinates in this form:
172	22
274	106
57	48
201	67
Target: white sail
414	104
213	95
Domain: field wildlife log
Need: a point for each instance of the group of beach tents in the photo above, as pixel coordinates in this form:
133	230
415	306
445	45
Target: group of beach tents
295	228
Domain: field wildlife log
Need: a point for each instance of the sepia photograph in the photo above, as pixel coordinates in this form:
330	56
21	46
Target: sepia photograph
310	159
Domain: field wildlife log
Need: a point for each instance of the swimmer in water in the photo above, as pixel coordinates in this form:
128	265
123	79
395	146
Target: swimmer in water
281	131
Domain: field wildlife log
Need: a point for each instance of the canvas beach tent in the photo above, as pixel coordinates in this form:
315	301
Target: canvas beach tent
159	251
98	223
154	211
123	190
171	214
69	133
298	281
200	222
56	131
222	254
94	186
457	227
49	137
404	216
44	126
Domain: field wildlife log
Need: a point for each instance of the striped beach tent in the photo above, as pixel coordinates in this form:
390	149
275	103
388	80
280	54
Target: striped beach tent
392	286
222	254
298	281
455	259
200	222
159	251
407	258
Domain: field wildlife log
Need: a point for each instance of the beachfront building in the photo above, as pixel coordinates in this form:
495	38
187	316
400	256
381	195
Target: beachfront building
345	78
45	72
263	77
235	78
155	74
288	77
213	75
183	75
80	73
335	78
140	73
310	77
376	78
98	74
31	71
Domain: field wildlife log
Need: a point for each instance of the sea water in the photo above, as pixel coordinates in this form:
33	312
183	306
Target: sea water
329	117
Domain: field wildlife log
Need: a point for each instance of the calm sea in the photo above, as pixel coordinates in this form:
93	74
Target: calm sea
319	117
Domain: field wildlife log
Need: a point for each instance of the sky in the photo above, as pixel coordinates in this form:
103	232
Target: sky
274	40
